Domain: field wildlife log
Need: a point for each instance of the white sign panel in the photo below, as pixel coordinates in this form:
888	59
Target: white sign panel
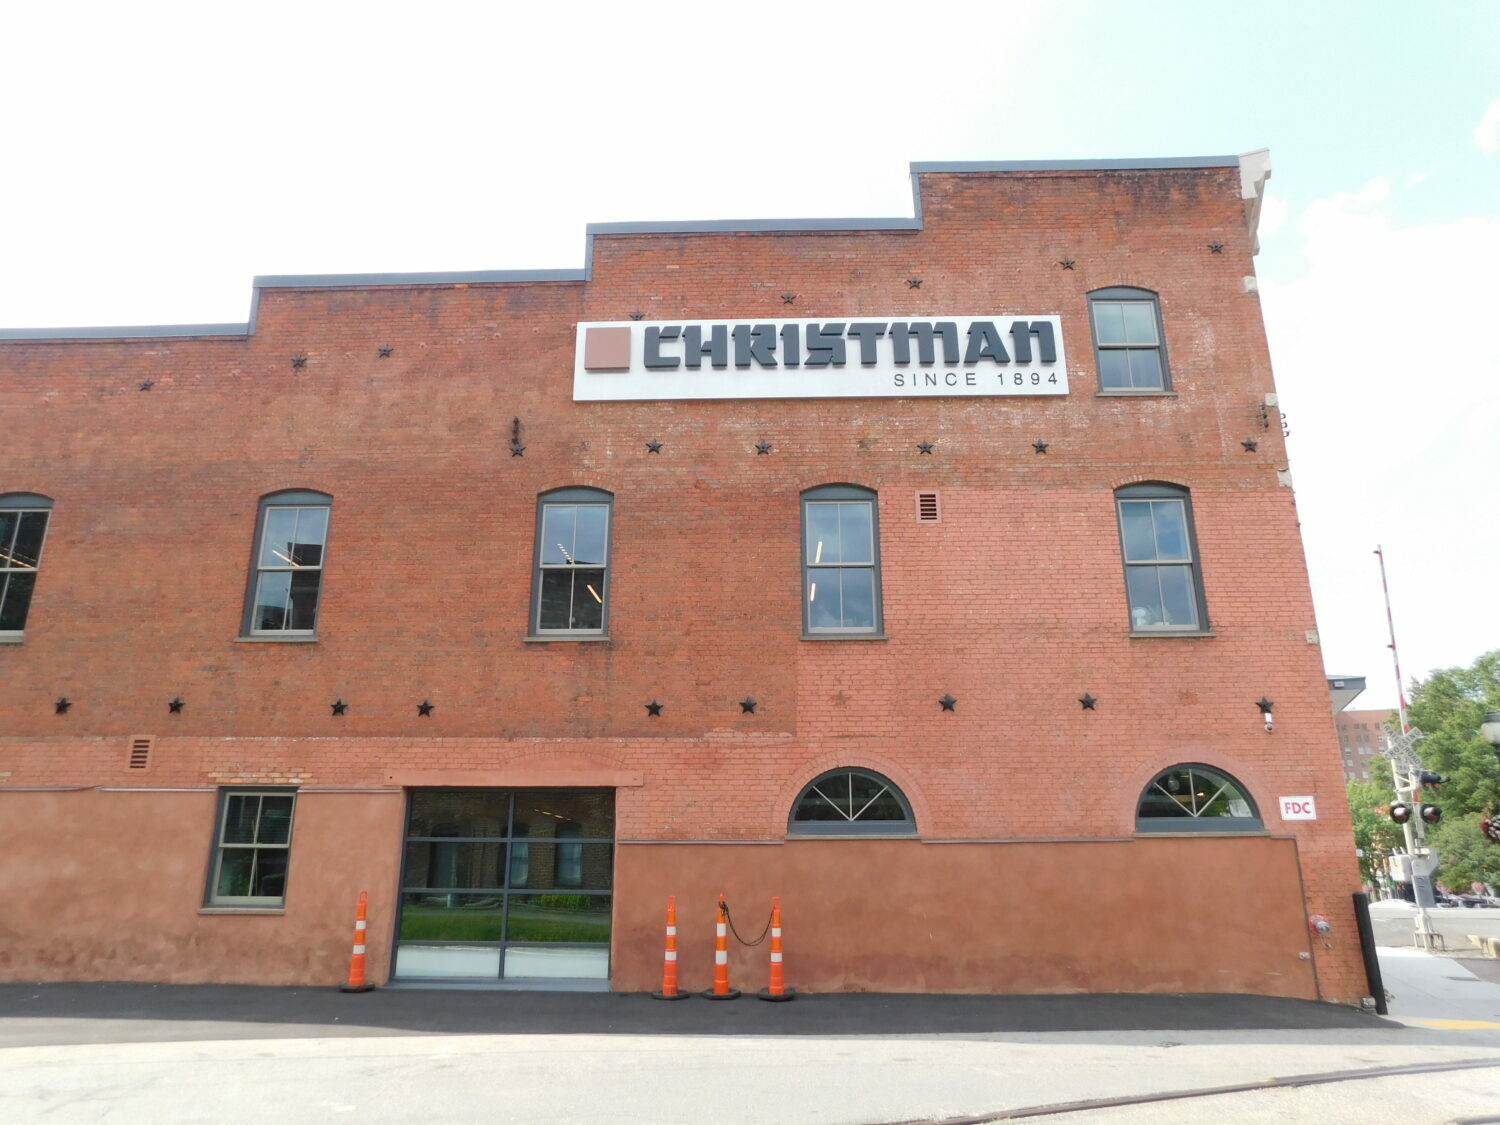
868	357
1299	808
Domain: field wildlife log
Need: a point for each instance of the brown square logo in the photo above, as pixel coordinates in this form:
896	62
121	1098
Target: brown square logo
606	349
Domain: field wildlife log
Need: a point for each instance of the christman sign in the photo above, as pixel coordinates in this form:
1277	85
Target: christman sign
880	357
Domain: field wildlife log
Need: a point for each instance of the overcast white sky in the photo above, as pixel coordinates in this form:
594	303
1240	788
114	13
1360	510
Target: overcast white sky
159	155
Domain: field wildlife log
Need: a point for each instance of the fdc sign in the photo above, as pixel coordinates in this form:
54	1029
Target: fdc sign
1299	808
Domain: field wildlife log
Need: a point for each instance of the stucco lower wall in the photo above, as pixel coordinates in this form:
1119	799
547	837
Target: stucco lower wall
1217	914
108	885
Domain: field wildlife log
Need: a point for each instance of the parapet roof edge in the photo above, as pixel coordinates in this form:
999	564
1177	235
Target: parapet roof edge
1144	164
708	226
125	332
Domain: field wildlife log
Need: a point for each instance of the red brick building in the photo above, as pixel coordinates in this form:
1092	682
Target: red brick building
1361	743
928	573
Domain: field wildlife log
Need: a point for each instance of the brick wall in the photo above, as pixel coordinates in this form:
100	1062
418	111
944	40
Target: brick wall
1013	603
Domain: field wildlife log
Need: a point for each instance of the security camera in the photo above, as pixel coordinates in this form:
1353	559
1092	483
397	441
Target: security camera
1268	724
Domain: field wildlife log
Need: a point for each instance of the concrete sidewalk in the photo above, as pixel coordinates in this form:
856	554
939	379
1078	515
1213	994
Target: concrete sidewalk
168	1054
1430	990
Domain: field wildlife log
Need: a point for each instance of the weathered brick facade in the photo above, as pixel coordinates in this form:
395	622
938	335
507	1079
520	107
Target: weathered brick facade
1013	603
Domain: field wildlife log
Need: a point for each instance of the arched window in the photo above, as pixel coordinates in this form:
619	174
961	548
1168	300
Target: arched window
851	802
570	594
23	526
1128	341
1196	798
1163	582
840	562
286	572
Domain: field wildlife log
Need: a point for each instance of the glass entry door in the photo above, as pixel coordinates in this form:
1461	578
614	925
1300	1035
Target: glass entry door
510	884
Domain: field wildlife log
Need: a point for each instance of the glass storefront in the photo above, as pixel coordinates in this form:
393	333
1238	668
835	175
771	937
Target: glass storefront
510	884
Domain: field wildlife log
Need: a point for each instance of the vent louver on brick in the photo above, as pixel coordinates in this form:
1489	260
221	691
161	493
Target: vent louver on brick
928	510
140	752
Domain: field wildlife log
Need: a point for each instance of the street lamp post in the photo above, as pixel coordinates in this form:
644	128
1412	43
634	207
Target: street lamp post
1489	730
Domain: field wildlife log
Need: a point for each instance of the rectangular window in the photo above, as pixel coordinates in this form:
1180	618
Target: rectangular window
572	587
840	566
252	849
22	530
1127	340
1162	584
288	569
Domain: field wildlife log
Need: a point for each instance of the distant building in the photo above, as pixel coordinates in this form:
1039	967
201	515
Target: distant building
1360	740
1360	743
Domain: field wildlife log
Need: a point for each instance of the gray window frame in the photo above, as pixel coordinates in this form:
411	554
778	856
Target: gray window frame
841	493
856	827
569	496
1128	294
21	503
211	898
1216	825
1162	490
287	498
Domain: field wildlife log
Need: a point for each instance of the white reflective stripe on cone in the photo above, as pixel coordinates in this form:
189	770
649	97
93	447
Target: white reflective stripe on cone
672	930
775	957
721	931
359	949
721	957
361	924
671	955
775	931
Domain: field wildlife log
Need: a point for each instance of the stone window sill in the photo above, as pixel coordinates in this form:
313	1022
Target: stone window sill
1166	634
1121	392
274	910
565	639
275	640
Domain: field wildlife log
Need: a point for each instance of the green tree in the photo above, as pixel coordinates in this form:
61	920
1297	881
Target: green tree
1467	856
1448	707
1375	834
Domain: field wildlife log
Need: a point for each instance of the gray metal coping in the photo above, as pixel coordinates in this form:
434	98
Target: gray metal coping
593	230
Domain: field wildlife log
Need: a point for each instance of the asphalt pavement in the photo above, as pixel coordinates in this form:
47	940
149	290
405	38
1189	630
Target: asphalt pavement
32	1015
165	1054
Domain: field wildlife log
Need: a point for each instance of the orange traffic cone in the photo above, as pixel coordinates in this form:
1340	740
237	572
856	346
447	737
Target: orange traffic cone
777	989
669	961
721	989
356	981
